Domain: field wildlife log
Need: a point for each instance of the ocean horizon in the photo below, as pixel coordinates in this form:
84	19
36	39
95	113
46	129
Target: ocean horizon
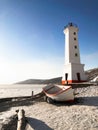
16	90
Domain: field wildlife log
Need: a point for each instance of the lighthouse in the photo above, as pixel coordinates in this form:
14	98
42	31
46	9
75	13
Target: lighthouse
73	69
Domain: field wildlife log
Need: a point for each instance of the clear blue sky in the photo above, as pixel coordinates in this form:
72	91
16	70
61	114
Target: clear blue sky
32	39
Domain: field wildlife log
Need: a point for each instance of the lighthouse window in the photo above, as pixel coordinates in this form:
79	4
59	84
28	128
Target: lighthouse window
74	33
74	38
75	47
76	54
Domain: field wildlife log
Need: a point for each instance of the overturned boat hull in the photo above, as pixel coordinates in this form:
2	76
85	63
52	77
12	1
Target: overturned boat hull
59	92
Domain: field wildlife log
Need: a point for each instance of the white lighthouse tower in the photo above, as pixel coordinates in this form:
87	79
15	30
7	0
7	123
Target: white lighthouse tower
73	69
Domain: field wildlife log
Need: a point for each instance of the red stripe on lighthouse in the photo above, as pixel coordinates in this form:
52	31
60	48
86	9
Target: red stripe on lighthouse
72	81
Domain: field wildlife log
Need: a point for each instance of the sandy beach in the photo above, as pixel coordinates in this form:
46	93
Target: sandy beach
82	114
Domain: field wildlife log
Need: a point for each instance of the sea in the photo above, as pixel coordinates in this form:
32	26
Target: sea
17	90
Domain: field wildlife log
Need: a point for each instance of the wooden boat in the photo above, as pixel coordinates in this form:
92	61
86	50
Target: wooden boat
58	93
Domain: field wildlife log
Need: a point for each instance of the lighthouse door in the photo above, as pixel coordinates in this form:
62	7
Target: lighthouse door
66	76
78	76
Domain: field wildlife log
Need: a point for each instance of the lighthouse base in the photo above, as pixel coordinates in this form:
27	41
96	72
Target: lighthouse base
73	73
72	81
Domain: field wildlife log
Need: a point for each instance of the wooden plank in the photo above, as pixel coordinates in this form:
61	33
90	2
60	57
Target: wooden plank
10	98
21	123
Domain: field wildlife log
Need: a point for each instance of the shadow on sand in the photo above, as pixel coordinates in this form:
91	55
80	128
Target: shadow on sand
11	125
6	105
37	124
87	101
